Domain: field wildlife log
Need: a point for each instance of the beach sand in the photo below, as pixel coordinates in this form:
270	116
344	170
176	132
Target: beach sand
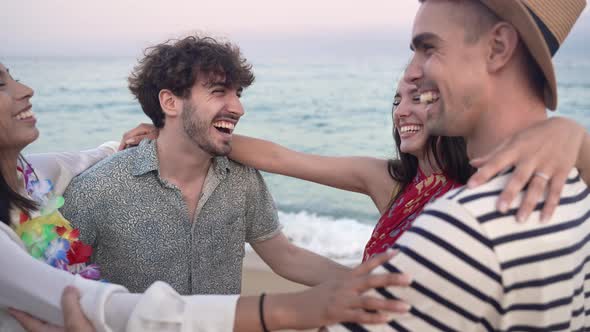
257	277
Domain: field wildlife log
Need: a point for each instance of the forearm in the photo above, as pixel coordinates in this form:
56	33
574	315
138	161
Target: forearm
280	312
357	174
308	268
257	153
34	287
583	162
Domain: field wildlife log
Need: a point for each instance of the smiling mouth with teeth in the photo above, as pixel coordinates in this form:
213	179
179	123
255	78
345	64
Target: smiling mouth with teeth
224	126
25	115
429	97
409	129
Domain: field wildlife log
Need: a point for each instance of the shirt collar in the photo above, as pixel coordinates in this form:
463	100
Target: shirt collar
146	160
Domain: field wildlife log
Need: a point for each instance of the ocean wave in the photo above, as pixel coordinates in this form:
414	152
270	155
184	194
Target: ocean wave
341	239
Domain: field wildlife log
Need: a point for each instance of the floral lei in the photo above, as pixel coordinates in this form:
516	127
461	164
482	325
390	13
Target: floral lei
50	237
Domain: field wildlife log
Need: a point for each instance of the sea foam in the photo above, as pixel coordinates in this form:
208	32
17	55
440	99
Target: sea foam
341	239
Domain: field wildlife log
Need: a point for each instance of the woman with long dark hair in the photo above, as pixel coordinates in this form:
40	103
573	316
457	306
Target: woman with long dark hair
427	168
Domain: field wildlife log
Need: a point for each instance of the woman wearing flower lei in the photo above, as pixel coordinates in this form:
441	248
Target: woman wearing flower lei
45	233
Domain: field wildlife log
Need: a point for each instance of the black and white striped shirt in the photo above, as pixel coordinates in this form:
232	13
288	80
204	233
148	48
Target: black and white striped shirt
475	269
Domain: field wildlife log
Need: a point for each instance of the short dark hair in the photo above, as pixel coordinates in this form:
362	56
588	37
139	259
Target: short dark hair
479	23
175	65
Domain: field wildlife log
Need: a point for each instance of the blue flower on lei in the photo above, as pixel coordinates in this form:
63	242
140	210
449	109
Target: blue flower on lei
57	252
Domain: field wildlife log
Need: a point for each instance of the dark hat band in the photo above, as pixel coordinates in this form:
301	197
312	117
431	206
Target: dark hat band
549	37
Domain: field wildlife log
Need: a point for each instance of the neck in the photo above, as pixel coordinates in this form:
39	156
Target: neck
181	159
427	164
8	163
506	113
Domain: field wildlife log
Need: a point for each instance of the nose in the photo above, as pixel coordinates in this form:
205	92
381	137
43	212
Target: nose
23	91
414	72
235	106
402	110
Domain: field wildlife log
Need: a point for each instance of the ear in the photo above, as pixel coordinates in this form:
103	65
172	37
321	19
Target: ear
170	104
503	41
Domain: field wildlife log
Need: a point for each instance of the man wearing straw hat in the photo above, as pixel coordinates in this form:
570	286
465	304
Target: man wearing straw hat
485	69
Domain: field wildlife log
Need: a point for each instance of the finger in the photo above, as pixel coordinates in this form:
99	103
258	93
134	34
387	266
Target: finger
518	180
135	140
368	302
74	319
137	132
479	162
373	262
363	317
383	280
553	196
533	195
492	164
142	130
121	145
27	321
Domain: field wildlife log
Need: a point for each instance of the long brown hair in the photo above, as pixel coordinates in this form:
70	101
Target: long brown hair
9	199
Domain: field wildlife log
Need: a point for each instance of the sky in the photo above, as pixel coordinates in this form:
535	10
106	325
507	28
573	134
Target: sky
125	27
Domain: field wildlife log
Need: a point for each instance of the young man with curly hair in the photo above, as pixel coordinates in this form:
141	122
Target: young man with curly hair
176	209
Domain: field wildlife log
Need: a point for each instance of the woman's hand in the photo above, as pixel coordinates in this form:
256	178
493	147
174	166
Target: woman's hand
543	155
135	135
74	319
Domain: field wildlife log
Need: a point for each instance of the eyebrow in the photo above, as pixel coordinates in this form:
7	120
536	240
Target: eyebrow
421	39
216	83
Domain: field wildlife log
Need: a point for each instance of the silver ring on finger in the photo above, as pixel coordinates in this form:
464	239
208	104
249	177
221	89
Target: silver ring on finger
542	176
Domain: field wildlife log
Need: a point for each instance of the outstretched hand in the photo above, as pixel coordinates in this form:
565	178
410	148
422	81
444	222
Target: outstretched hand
135	135
543	155
344	300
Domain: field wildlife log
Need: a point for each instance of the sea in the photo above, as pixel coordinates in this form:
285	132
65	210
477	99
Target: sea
333	105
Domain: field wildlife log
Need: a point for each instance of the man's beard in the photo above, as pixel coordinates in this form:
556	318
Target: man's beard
197	132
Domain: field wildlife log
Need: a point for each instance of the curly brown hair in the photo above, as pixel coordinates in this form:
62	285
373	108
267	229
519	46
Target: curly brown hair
175	65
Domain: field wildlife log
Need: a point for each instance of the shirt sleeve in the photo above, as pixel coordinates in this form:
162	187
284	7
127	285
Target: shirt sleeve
62	167
161	308
80	207
456	275
34	287
262	220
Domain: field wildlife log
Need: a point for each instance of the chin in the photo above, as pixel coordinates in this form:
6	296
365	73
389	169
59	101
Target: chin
221	151
23	141
409	150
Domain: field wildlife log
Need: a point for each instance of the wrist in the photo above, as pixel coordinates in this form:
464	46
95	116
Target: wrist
280	311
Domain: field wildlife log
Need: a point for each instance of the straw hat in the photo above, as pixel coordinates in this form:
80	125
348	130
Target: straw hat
543	25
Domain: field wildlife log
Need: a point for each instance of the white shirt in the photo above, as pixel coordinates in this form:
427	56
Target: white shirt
475	269
32	286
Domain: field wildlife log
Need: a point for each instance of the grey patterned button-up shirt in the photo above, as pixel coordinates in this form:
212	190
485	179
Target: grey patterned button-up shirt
139	227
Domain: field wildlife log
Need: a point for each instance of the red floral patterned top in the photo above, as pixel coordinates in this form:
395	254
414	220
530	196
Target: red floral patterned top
404	210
